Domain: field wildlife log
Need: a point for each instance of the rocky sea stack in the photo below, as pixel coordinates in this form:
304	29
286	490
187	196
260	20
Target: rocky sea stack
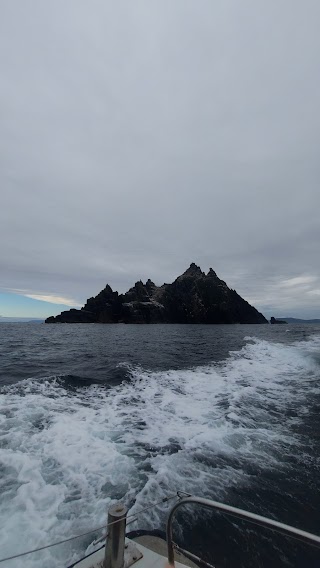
277	321
194	297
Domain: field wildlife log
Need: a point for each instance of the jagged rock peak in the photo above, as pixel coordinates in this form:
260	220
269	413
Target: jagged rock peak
193	270
139	284
212	273
150	284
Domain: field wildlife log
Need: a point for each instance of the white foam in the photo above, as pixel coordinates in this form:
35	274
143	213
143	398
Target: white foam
65	455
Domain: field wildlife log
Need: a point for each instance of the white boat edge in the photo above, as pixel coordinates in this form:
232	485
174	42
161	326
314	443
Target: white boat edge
148	559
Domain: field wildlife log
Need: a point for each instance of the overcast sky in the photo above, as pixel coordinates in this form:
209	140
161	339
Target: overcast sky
137	137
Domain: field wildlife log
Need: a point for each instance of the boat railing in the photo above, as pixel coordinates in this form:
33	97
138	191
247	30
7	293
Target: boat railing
186	499
120	553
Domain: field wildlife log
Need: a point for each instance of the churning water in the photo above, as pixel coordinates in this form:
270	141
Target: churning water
90	414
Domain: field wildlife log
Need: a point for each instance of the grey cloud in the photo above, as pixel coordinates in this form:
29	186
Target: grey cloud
137	137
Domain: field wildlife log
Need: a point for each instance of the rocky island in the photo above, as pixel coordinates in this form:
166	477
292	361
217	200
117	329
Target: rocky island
277	321
194	297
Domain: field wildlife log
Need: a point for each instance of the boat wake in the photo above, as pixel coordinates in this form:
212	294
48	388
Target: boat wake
66	453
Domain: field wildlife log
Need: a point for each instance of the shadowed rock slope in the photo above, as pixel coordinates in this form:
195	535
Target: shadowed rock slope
194	297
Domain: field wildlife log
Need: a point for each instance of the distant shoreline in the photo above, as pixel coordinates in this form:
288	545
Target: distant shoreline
21	320
289	321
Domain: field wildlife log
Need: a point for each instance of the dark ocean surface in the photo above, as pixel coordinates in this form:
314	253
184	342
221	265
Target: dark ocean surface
90	414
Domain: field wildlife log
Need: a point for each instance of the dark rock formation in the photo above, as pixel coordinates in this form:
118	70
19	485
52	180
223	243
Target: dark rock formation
274	320
194	297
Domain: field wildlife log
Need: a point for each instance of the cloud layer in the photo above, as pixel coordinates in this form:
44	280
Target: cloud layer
137	137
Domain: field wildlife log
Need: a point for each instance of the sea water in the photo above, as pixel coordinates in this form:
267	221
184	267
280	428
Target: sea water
92	414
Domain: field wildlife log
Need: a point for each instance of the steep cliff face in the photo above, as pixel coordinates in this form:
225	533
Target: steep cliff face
194	297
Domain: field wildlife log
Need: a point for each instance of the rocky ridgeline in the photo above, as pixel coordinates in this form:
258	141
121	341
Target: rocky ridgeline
194	297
